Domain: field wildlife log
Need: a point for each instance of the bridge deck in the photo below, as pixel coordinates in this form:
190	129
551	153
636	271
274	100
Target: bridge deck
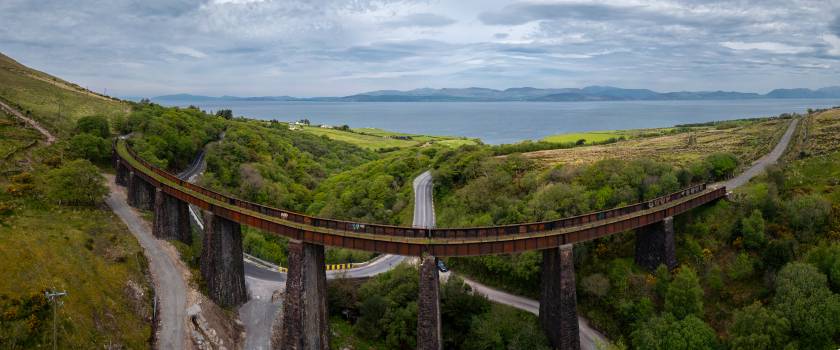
414	241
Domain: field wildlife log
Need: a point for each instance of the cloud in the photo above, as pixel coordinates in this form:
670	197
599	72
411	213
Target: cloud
171	8
834	26
522	13
241	47
186	51
421	20
834	42
766	46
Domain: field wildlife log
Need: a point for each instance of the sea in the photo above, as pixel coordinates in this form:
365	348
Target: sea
510	122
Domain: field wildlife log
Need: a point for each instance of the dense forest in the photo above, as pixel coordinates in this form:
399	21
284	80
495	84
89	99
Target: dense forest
169	137
382	314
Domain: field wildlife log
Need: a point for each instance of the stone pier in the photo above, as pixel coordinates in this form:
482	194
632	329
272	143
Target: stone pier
305	322
122	173
172	218
558	298
655	245
141	194
428	306
221	261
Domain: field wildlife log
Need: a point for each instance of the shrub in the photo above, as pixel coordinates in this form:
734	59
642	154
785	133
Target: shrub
505	328
90	147
722	165
742	268
23	321
758	328
668	333
596	284
802	295
827	259
808	216
75	183
94	125
752	228
684	296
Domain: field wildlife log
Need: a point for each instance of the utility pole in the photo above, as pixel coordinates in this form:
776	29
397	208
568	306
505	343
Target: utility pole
53	297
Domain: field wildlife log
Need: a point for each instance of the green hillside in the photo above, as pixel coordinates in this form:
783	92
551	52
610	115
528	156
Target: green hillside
51	240
56	103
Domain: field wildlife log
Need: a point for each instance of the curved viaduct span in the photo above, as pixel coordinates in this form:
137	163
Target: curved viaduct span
305	320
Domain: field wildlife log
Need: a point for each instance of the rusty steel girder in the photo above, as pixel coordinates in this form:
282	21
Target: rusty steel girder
416	241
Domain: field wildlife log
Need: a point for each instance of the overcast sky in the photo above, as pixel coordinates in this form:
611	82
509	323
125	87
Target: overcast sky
330	48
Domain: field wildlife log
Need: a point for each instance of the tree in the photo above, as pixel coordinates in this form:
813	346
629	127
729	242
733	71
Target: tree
389	308
458	306
684	296
668	333
94	125
752	228
505	328
722	165
75	183
757	328
808	215
90	147
225	113
742	268
803	296
559	200
827	259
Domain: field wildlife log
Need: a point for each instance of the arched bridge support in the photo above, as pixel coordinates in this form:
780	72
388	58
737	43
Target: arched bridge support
558	298
141	194
172	218
221	261
305	323
655	245
428	306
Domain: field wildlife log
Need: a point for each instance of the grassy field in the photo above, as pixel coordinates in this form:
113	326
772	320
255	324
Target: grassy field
588	137
823	132
14	138
86	251
605	135
42	95
91	255
374	139
747	140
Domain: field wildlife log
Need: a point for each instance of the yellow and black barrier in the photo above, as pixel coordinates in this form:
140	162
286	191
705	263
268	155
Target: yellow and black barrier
329	267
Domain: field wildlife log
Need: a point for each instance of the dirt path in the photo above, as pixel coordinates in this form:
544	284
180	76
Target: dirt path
34	124
170	286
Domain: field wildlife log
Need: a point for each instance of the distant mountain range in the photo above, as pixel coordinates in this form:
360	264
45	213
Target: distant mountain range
475	94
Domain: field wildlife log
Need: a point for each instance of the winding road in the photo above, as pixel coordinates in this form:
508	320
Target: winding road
762	163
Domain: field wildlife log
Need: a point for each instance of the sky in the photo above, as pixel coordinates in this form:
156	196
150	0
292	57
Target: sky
334	48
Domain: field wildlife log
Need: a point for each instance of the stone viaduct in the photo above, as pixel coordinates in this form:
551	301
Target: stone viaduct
305	319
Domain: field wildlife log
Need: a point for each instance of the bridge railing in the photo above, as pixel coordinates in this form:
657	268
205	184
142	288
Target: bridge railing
402	231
